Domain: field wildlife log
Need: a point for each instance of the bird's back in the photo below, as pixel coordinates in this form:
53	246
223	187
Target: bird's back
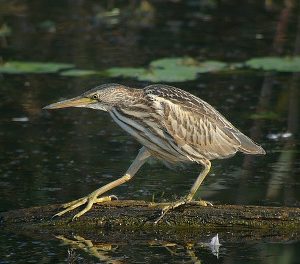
196	128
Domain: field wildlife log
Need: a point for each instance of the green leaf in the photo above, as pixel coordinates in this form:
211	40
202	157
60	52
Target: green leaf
169	70
20	67
125	72
78	73
188	63
211	66
168	75
284	64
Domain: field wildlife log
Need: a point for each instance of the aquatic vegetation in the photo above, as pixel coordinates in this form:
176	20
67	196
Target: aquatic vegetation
177	69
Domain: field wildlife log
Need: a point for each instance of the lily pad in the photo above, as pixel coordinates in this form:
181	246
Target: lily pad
125	72
169	70
20	67
179	69
168	75
211	66
154	74
78	73
188	63
284	64
174	62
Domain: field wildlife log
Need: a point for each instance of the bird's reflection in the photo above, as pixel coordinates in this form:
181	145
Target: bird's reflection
107	252
100	251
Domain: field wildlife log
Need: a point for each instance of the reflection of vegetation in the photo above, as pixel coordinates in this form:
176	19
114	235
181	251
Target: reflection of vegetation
161	70
265	115
280	182
48	26
5	30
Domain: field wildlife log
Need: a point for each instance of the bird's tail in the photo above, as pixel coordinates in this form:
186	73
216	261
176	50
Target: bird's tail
248	146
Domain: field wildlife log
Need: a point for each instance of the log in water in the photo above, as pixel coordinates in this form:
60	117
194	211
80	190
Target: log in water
111	220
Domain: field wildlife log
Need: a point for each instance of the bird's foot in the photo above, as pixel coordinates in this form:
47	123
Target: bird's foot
178	203
89	200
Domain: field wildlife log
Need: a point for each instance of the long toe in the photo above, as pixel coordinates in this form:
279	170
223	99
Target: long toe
169	207
73	206
172	206
82	212
89	200
77	201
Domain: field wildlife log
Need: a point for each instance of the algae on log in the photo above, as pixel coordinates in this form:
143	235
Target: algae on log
135	218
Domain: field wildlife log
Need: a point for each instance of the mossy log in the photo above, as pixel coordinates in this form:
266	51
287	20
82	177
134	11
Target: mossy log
111	220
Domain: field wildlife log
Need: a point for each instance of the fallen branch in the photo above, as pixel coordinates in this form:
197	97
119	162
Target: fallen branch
136	218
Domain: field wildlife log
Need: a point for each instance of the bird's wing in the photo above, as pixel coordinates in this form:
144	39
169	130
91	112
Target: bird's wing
195	126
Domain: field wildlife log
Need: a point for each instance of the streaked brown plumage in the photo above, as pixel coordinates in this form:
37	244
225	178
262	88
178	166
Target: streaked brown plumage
171	124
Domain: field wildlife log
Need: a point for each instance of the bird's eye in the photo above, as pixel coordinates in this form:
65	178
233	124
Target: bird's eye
95	96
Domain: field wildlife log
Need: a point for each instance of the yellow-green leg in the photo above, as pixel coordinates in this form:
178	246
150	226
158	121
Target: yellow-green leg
92	198
189	197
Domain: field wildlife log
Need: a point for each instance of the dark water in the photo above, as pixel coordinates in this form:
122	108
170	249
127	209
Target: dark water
59	156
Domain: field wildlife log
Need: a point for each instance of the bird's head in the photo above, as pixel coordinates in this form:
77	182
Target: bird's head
103	97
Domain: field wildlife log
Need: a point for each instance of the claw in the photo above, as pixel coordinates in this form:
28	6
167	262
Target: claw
114	196
170	207
54	216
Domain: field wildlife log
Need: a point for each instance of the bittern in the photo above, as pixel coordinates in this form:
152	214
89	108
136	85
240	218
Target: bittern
171	124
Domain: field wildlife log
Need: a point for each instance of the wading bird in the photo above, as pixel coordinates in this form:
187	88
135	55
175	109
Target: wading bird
171	124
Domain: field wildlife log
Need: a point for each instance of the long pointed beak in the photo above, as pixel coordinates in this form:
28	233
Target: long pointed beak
74	102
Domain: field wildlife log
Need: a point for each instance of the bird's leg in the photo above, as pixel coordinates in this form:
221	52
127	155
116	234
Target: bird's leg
92	198
197	183
189	197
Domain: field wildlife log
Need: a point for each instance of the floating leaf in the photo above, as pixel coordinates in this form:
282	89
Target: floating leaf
162	70
169	70
188	63
211	66
168	75
173	62
179	69
20	67
125	72
285	64
78	73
